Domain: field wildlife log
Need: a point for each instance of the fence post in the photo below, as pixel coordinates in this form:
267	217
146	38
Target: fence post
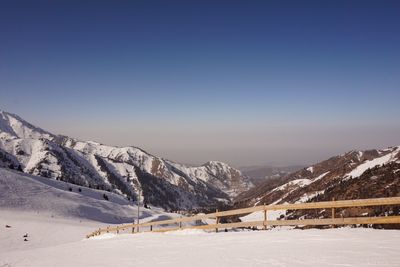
117	229
265	217
217	221
180	224
108	229
151	228
333	214
133	229
99	232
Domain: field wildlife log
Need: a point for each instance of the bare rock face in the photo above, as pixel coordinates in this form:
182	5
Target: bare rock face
129	171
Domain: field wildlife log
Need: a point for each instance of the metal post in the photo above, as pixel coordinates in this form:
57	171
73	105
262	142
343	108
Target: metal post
265	217
138	209
333	214
217	222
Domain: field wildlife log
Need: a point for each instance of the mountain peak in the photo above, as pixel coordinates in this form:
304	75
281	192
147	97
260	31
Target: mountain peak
216	163
17	127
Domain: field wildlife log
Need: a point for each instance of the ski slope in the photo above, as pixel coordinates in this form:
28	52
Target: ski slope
24	192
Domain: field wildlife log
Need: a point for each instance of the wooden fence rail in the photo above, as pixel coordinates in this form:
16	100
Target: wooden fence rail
265	208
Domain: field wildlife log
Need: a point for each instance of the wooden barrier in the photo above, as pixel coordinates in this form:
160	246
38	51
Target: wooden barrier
265	208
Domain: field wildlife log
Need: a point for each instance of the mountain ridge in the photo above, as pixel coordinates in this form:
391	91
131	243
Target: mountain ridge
352	175
130	171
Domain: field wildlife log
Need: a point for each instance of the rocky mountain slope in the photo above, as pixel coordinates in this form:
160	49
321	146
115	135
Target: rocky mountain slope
353	175
129	171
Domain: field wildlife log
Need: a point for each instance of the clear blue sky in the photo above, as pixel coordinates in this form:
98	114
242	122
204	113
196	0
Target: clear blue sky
247	82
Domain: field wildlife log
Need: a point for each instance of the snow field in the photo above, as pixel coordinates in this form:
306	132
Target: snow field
295	248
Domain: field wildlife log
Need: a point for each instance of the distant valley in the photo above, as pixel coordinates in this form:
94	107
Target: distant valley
259	174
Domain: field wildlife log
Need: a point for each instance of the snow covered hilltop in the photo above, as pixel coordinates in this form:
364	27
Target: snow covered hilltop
128	171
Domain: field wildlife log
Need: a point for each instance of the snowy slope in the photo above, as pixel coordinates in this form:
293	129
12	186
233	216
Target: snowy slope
54	212
28	193
376	162
12	125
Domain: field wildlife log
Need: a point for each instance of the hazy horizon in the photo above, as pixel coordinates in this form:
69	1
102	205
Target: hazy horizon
279	155
277	83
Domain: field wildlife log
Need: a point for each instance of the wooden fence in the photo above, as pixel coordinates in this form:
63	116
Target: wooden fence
177	224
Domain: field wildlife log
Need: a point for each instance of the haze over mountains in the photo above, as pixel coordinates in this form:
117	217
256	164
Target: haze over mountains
128	171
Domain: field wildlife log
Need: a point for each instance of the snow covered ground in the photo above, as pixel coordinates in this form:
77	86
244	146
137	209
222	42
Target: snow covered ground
57	242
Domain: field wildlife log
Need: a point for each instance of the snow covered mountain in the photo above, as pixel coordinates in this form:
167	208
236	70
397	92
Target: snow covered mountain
321	178
353	175
128	171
